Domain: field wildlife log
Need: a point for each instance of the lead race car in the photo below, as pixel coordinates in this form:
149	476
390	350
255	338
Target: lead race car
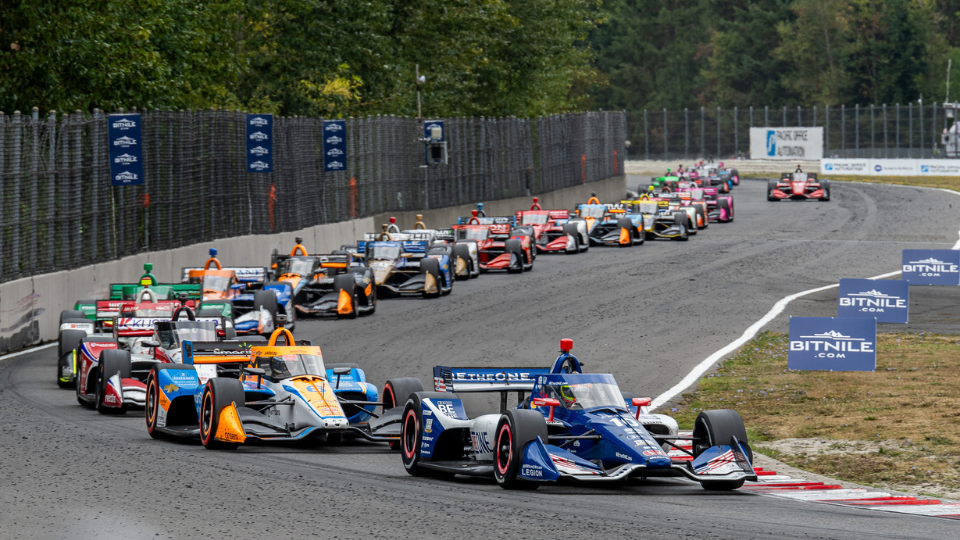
574	426
799	186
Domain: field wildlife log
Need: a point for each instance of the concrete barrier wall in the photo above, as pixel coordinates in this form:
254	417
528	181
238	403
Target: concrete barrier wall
30	307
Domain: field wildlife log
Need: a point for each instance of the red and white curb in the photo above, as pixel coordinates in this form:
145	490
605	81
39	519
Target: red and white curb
780	485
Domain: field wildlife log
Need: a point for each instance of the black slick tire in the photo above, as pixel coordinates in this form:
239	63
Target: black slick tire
571	230
411	432
516	428
71	314
267	300
67	343
346	282
715	428
461	256
396	392
218	394
112	361
515	249
825	185
152	407
432	267
626	224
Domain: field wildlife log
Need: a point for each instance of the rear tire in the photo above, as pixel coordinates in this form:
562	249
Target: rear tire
571	230
825	185
461	256
112	361
771	185
396	392
516	428
72	314
218	394
267	300
515	249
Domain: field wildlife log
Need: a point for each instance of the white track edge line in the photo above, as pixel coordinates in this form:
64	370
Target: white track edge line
753	330
26	351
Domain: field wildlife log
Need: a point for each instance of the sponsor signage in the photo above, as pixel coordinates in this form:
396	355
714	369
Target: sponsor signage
938	167
887	300
891	167
786	143
126	149
833	343
260	143
931	266
334	145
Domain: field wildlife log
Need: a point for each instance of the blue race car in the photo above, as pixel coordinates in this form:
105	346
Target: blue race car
574	426
408	263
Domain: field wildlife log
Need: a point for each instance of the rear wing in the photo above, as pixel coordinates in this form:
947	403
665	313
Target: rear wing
245	274
410	246
493	220
215	352
165	291
499	379
143	326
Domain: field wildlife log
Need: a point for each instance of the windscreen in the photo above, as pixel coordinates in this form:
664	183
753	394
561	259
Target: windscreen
173	334
587	395
648	208
290	365
387	252
534	219
475	234
297	266
216	283
594	211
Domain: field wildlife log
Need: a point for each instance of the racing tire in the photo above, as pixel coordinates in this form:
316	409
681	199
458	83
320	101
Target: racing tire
716	427
461	256
72	314
112	361
702	221
432	267
725	204
78	390
825	185
267	300
684	236
771	185
365	271
229	333
67	343
571	230
346	282
152	407
411	432
395	394
626	224
218	394
735	176
515	249
516	428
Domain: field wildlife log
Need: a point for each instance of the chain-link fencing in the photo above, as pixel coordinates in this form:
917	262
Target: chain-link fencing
58	210
860	132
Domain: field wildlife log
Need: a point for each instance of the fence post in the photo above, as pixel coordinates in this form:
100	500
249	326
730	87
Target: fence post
885	144
3	130
17	158
736	135
873	132
665	135
897	141
718	133
910	128
751	116
34	185
646	137
51	182
686	133
920	110
799	123
814	116
856	133
703	123
766	116
826	131
784	124
933	124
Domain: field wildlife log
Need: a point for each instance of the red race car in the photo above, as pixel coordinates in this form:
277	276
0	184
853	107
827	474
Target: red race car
798	186
554	231
501	245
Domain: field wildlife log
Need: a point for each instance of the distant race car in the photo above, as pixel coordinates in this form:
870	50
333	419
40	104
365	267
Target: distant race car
719	207
259	306
501	245
655	218
405	264
464	254
328	284
608	226
798	186
230	393
555	231
573	426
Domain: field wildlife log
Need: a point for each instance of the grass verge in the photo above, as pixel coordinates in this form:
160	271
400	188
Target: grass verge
897	427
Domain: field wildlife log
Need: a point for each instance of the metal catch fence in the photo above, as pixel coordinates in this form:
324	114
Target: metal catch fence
850	131
58	210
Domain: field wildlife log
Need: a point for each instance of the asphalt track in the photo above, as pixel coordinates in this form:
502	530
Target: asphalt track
647	314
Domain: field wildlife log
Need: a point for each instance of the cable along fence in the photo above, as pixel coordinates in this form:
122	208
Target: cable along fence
58	210
910	131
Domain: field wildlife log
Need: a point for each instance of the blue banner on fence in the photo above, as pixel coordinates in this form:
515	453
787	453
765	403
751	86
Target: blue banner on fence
126	149
334	145
833	343
931	266
433	132
260	143
887	300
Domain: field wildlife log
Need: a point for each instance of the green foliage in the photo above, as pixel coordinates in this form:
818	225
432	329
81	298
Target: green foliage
305	57
689	53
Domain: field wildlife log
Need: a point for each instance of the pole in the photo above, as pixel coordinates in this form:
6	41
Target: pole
949	65
686	133
417	75
843	129
646	136
665	135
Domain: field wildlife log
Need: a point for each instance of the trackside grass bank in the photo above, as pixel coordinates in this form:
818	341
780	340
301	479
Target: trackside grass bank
946	182
897	427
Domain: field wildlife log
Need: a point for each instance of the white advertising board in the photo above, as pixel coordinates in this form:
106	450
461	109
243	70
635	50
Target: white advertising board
788	144
891	167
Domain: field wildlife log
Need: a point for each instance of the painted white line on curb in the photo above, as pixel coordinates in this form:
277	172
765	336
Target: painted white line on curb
27	351
752	331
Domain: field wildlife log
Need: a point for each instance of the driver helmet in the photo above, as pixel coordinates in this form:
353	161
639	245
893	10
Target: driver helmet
721	164
567	398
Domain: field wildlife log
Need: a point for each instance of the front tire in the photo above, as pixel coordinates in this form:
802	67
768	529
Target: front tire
517	428
515	249
68	342
431	267
411	432
717	427
347	282
112	361
218	394
267	300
